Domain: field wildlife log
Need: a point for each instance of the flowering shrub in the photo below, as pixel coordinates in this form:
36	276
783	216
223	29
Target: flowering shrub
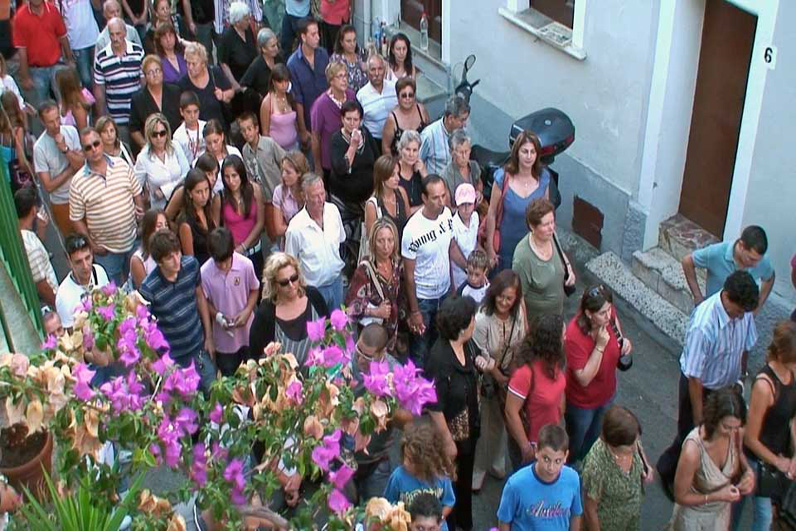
307	421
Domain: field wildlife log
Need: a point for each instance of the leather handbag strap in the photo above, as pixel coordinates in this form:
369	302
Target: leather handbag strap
374	278
503	189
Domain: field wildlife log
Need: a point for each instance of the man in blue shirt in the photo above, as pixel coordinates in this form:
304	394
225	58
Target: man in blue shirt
307	66
174	291
546	494
747	253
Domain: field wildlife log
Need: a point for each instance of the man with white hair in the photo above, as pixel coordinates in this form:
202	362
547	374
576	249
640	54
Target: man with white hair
223	10
314	236
117	76
113	9
377	98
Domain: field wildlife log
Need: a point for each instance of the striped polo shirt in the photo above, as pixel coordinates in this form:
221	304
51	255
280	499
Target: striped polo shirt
121	77
714	343
174	306
106	203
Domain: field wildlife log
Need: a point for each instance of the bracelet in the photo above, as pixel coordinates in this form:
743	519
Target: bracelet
415	311
706	499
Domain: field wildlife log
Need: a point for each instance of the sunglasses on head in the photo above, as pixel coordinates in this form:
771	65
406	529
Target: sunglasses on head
292	280
159	134
596	291
75	244
89	147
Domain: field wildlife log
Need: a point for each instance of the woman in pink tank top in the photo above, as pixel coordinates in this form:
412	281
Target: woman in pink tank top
240	208
278	111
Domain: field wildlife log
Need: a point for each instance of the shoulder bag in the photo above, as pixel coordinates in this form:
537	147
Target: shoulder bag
498	219
374	279
364	241
568	290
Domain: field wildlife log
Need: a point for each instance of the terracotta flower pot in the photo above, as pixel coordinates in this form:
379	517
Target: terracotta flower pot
30	474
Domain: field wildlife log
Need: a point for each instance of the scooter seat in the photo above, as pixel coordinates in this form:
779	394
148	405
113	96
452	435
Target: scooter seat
487	157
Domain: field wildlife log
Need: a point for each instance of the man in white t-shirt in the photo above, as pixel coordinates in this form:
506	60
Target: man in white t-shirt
82	32
427	248
32	223
81	280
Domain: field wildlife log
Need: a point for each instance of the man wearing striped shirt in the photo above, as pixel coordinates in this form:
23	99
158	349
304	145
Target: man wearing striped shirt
174	291
720	331
105	202
117	76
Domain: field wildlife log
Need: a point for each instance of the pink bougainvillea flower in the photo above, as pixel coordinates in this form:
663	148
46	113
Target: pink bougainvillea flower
162	365
169	435
50	344
294	391
88	337
183	381
338	502
316	330
234	474
327	451
314	357
341	476
376	381
339	320
109	288
217	413
334	356
155	339
126	326
186	419
86	304
199	469
124	393
83	376
107	312
412	390
128	348
350	346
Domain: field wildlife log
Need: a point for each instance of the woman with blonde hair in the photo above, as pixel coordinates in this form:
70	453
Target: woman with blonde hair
154	97
111	144
326	118
389	199
160	167
76	101
288	197
288	305
208	82
374	293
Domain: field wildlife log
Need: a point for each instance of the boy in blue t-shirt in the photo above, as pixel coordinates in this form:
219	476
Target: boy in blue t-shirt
544	496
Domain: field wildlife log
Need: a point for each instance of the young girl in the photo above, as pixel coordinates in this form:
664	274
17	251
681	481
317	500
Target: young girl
278	111
389	198
425	469
196	220
215	142
141	263
240	208
209	165
288	198
110	140
76	101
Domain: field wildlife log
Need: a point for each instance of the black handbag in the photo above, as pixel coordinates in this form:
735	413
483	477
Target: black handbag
786	517
568	290
771	483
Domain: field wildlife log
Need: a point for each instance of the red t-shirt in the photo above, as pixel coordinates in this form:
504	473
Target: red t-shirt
544	404
39	34
579	347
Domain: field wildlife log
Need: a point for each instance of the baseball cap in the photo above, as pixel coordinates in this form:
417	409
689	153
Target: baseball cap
465	193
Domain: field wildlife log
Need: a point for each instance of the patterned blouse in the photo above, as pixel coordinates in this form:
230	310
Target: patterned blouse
357	77
362	293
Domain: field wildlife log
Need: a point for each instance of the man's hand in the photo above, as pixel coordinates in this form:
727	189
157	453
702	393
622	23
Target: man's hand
98	250
60	142
192	27
26	82
528	452
241	319
416	324
292	490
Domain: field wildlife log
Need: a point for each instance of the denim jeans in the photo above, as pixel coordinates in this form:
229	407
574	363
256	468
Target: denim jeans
203	365
333	293
44	87
116	265
289	31
583	427
84	62
419	345
762	511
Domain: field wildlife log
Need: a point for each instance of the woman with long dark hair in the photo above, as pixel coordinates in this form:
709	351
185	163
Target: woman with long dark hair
288	196
76	101
170	50
347	51
500	327
241	209
389	199
278	111
399	58
142	263
196	220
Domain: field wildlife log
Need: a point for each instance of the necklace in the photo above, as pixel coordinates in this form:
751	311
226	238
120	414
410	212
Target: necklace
337	102
193	144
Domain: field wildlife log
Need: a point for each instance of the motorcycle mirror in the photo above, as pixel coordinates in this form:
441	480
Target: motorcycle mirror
469	62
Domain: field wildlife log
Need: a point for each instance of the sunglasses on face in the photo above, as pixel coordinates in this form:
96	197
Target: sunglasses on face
89	147
159	134
292	280
407	95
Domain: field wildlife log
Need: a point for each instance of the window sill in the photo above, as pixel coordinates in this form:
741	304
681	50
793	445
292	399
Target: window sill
537	25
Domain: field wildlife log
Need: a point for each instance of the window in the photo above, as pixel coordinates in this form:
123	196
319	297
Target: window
562	11
559	23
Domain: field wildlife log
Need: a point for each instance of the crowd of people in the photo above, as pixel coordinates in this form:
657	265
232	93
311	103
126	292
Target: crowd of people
247	182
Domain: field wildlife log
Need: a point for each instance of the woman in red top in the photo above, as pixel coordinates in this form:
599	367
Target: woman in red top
593	352
537	386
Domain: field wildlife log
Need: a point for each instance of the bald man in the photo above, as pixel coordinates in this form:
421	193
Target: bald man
113	9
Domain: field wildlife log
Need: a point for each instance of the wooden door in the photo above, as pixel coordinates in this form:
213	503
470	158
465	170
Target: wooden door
412	10
727	38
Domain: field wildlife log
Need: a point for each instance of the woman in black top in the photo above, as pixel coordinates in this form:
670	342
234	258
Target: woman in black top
258	73
237	48
288	305
769	432
451	366
411	169
196	220
409	115
389	199
353	152
208	82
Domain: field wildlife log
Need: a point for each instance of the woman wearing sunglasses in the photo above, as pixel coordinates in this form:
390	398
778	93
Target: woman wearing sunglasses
288	305
160	168
408	115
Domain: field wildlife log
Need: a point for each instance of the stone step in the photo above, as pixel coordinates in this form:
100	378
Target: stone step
664	275
680	236
610	269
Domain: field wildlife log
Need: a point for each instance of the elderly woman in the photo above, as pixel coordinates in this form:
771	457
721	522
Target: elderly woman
278	115
111	144
237	48
409	115
154	97
594	344
208	82
521	180
347	51
613	474
451	366
258	74
160	166
161	14
353	152
541	264
171	52
288	305
462	169
500	327
325	115
411	168
375	289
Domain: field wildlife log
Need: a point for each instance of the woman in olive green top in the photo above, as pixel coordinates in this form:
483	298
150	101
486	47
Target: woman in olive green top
538	263
613	472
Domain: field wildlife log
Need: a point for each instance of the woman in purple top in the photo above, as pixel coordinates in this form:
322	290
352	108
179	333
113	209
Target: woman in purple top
325	115
170	50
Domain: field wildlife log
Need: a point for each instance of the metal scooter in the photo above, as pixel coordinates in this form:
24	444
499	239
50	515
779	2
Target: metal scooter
554	128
